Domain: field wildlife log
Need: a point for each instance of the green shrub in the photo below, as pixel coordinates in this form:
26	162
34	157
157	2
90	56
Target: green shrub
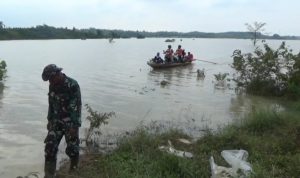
267	71
95	119
294	81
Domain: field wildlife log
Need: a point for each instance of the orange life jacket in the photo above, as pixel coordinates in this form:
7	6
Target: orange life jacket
169	52
179	52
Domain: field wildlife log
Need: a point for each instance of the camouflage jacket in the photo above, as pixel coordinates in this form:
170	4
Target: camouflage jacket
65	102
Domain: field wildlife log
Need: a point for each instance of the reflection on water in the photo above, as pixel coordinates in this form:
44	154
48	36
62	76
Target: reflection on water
174	75
113	77
242	104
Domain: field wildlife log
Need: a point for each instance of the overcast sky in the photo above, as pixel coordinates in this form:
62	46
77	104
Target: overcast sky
281	16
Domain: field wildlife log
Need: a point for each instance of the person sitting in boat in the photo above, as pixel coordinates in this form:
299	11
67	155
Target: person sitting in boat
169	54
183	53
189	57
179	53
157	59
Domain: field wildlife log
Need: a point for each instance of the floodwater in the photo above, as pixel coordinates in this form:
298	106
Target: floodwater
113	77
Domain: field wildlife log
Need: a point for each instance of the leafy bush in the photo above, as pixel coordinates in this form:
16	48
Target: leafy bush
294	82
96	120
268	71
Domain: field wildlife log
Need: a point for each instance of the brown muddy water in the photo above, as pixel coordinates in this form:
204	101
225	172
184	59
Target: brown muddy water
114	77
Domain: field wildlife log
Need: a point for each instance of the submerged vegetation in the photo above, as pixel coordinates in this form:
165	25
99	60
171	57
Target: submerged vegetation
2	69
268	72
221	76
221	80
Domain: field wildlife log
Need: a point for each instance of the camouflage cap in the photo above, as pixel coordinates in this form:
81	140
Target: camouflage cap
49	71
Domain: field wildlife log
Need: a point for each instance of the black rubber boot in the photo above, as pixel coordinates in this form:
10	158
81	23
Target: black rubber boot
74	163
49	169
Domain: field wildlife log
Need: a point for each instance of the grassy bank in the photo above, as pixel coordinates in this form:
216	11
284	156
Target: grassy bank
271	138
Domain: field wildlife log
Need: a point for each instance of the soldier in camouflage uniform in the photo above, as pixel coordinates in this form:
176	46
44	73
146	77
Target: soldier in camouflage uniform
63	118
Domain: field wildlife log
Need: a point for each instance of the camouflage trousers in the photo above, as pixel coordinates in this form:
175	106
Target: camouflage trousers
56	130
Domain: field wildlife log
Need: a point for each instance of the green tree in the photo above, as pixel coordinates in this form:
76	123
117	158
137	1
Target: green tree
256	30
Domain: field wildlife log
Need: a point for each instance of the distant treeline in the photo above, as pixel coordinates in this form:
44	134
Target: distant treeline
49	32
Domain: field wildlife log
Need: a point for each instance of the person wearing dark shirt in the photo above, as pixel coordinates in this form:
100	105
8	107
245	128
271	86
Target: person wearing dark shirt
64	118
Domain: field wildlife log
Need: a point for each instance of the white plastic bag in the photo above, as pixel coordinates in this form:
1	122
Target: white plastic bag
220	171
237	160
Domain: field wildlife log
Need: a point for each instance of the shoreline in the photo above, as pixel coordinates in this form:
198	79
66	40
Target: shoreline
262	133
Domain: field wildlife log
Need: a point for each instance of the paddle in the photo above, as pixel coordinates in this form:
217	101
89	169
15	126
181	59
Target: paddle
206	61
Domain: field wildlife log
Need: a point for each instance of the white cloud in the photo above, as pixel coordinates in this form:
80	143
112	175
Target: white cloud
153	15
